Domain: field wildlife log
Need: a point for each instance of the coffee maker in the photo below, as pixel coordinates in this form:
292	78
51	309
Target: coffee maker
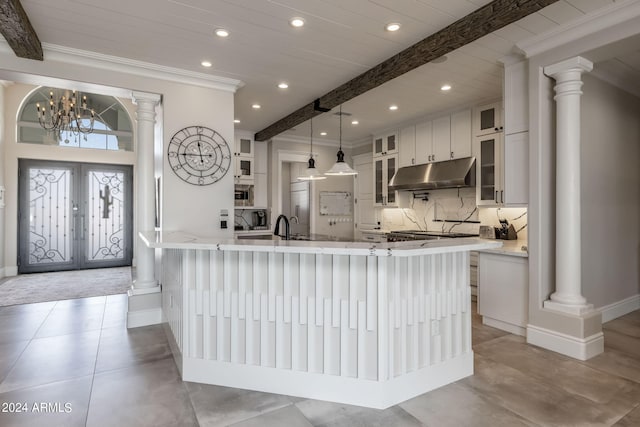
260	220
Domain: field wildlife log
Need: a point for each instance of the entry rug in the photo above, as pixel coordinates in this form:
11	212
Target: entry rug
41	287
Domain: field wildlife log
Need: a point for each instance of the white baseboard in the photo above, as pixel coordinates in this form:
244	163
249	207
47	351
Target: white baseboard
620	308
11	271
504	326
332	388
2	276
578	348
136	319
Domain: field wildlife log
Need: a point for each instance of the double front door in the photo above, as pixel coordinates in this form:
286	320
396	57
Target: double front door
74	216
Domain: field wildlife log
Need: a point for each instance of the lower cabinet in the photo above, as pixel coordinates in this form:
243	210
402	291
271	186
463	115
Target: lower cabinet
503	291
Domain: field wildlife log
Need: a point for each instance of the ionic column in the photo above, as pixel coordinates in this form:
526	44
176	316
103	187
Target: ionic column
568	295
145	190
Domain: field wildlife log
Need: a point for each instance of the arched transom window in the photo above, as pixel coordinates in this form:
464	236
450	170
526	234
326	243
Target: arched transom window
112	127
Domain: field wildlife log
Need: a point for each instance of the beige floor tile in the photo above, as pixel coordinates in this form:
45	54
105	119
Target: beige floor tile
457	405
47	360
149	394
63	403
632	419
617	363
288	416
328	414
219	406
121	347
622	342
539	401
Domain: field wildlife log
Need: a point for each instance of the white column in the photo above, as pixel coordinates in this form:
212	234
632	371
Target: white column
145	190
2	169
568	295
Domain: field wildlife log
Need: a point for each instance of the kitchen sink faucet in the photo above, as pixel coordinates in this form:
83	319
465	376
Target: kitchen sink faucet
287	231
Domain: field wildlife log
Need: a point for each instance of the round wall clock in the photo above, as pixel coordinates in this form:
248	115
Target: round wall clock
199	155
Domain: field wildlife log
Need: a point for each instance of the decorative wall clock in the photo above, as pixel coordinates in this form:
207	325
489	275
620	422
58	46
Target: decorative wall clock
199	155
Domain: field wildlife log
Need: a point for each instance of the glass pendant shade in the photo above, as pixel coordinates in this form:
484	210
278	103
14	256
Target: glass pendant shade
311	173
340	167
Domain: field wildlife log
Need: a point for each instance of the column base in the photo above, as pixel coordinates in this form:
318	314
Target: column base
134	290
578	348
145	307
576	310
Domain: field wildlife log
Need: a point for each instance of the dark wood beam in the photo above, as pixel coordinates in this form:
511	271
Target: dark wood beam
17	30
479	23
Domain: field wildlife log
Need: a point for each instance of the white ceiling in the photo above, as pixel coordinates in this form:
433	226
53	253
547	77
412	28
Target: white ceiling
340	40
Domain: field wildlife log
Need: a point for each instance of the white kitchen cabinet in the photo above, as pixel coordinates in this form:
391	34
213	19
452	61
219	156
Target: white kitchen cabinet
410	151
503	291
385	144
487	119
424	142
461	134
502	169
243	155
383	170
441	139
516	97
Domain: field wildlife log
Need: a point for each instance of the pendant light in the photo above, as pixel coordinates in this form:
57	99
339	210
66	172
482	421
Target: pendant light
311	173
340	167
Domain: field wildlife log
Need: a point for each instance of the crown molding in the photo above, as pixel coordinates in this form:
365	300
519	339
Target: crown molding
614	15
69	55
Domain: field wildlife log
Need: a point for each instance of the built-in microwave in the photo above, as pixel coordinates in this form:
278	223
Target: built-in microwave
243	195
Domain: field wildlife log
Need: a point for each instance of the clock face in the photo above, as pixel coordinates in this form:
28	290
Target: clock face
199	155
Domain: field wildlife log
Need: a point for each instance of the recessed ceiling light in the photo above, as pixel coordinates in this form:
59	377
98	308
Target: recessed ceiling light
394	26
256	106
355	122
221	32
283	85
393	107
236	120
296	22
323	134
206	64
445	87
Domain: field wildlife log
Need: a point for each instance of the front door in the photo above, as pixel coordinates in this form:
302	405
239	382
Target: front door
74	216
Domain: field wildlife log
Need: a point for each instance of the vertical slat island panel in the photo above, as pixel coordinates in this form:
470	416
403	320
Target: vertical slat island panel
345	322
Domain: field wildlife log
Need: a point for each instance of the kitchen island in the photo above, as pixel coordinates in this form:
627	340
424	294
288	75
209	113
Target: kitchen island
358	323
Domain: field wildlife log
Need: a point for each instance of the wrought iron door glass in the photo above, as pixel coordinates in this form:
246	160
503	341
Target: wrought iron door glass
74	216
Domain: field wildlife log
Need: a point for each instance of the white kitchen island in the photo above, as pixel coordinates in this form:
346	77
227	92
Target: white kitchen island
359	323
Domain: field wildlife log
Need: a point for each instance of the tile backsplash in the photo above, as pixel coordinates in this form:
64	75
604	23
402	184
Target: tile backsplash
448	210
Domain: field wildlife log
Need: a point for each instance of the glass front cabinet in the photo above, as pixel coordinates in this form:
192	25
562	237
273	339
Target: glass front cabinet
385	144
383	170
490	190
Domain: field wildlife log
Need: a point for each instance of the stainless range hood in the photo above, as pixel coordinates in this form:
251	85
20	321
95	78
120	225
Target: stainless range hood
431	176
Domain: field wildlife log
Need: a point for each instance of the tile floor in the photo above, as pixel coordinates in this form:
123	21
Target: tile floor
78	357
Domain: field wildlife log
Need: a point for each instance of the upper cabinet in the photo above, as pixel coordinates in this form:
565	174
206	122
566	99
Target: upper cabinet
385	144
243	154
384	167
516	97
461	134
502	166
488	119
444	138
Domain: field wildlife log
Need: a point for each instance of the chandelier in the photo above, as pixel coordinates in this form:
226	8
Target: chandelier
69	113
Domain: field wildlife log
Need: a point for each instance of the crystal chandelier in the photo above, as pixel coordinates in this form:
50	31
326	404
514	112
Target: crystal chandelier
69	113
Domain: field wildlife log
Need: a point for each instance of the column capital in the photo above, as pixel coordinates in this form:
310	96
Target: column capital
571	65
145	97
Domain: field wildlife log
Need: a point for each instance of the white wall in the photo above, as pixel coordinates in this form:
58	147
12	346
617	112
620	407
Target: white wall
610	193
186	100
325	157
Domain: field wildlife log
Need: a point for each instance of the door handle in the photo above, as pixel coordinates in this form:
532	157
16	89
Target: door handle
501	196
496	198
452	154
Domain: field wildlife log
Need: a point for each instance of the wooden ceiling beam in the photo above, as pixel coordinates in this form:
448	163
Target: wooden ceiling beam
483	21
17	30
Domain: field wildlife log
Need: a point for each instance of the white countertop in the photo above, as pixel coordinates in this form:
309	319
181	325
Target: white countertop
181	240
509	247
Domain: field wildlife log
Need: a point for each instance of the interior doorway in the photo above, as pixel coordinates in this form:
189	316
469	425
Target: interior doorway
73	216
296	198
